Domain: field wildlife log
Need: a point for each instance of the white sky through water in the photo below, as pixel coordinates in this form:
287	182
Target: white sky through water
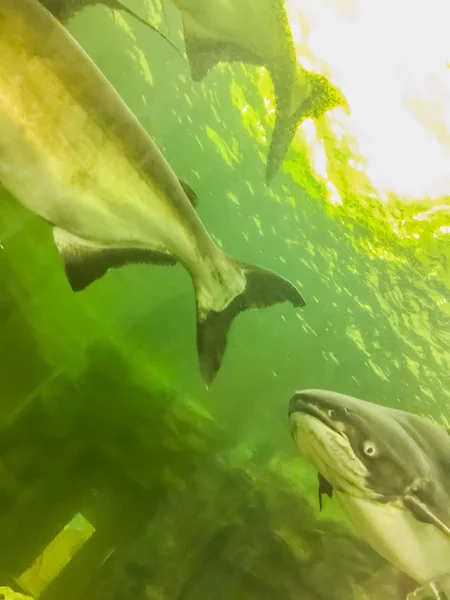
392	60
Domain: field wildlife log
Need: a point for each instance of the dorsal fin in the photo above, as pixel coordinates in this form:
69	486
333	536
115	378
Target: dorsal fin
84	263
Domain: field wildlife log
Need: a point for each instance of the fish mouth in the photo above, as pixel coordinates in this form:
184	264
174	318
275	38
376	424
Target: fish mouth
318	428
302	404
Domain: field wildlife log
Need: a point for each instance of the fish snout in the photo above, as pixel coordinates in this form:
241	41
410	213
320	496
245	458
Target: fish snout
297	402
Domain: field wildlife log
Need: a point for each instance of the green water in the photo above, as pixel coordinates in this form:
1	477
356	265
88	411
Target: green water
104	411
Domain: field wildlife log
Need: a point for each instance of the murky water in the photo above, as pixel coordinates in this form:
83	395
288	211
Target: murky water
121	475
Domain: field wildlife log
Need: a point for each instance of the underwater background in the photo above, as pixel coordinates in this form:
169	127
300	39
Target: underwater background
176	492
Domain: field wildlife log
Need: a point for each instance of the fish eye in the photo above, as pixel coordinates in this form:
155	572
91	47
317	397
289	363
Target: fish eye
330	413
370	449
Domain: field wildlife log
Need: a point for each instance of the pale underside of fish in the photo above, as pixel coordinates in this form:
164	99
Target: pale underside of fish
73	153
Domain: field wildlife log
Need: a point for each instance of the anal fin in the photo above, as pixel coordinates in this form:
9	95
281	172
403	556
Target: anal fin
84	263
205	51
201	60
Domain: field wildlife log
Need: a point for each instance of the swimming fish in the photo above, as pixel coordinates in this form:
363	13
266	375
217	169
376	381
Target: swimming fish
389	470
64	10
258	33
73	153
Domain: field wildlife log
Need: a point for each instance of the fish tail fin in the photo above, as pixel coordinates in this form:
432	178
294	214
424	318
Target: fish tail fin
282	136
262	289
314	96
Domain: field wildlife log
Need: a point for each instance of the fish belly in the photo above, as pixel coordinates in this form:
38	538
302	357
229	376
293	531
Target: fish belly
58	162
416	548
97	178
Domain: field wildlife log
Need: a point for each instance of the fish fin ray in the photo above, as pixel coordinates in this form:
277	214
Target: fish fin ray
263	288
85	263
191	195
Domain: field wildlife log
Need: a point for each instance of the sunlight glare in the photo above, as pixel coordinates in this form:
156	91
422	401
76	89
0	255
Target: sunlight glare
390	58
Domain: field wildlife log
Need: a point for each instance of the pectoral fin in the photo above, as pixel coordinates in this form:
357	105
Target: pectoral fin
324	488
84	263
422	512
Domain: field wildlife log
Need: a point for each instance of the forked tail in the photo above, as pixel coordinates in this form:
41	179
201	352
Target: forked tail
263	288
317	96
282	136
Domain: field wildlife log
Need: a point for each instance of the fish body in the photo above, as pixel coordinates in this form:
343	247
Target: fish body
245	31
389	470
73	153
258	33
